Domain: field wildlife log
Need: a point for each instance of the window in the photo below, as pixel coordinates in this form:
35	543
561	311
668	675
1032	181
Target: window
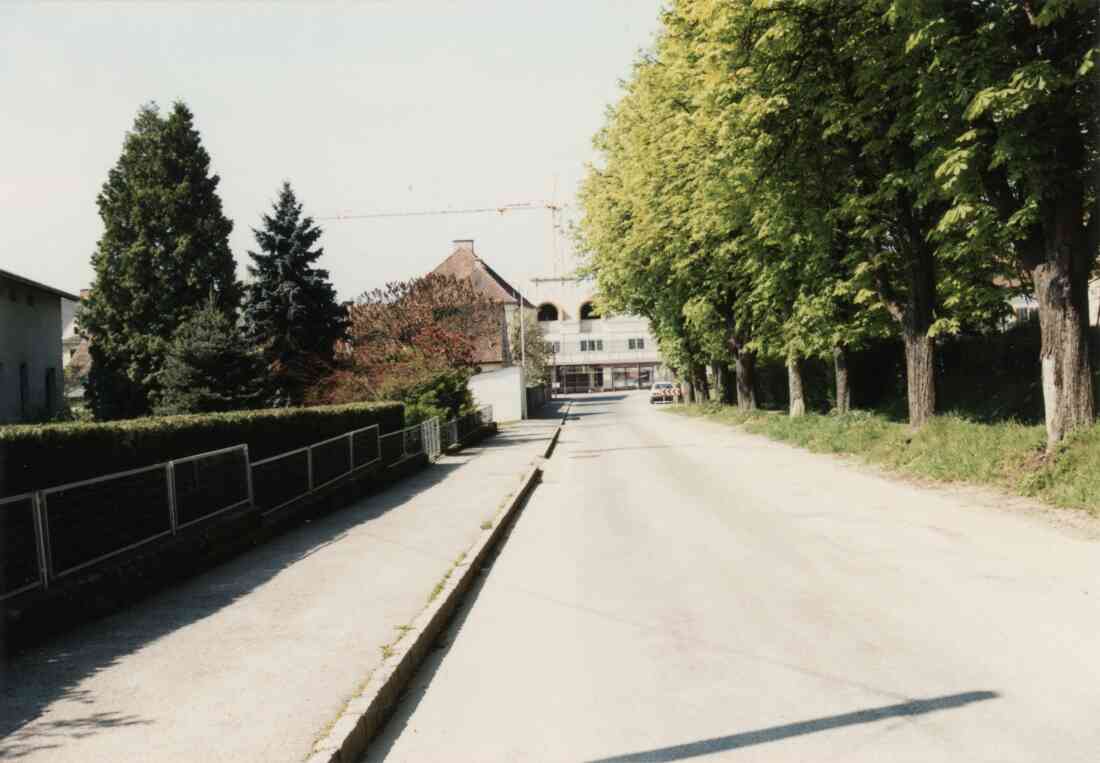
636	344
553	347
51	390
24	391
588	312
547	312
591	345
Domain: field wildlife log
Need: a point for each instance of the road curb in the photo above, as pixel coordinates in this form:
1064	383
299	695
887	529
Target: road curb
366	714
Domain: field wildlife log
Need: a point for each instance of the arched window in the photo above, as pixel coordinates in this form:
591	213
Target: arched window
548	312
588	312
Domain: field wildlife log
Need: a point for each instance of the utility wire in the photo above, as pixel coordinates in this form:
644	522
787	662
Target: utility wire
524	207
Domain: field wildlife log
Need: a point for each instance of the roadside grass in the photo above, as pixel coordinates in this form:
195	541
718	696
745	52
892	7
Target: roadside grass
950	448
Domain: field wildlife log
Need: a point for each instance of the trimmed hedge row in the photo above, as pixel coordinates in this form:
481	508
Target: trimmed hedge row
34	457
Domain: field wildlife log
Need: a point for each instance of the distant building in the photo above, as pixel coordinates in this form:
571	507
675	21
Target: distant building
31	356
592	352
76	358
1025	308
493	350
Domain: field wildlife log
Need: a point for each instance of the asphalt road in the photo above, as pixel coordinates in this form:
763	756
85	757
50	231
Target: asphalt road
677	590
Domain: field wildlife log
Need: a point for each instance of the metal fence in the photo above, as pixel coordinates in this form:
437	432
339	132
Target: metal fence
51	533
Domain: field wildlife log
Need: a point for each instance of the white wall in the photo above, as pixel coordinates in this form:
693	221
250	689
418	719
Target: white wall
503	389
31	335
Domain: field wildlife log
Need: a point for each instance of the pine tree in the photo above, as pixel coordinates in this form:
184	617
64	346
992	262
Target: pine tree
164	250
209	366
290	307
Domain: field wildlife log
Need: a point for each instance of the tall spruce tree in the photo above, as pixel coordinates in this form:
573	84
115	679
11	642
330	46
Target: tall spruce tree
163	253
290	309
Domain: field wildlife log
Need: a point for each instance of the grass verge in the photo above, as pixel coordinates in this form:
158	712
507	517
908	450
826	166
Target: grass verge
950	448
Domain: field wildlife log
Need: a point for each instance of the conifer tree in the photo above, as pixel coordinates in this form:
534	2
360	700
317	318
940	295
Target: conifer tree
209	366
164	251
290	309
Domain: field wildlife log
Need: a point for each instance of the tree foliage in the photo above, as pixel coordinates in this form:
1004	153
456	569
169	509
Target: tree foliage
793	179
290	308
209	367
164	252
416	341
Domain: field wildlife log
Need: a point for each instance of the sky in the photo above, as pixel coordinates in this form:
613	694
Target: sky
367	107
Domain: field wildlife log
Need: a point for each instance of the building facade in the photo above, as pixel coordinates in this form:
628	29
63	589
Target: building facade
31	357
592	352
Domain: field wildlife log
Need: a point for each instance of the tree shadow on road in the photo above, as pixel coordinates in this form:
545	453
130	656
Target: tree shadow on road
776	733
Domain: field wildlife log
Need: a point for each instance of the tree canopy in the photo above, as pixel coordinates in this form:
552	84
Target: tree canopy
792	179
163	254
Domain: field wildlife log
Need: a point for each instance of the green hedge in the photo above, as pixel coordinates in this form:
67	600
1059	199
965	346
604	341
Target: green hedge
34	457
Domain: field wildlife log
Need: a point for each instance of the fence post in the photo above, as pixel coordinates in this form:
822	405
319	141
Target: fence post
248	474
351	452
38	510
170	477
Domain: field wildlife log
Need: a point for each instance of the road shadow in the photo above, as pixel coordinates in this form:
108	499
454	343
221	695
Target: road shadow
776	733
36	677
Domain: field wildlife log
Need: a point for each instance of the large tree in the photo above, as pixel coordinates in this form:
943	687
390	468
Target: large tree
290	309
164	252
1022	173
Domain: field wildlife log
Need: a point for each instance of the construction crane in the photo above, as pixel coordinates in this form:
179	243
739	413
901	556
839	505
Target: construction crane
555	208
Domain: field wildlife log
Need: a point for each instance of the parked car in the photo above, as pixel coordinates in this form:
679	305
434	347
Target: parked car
662	392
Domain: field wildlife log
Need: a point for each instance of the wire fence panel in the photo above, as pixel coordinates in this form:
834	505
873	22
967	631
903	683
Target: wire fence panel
331	460
392	447
210	483
414	440
19	568
365	446
448	434
279	480
92	520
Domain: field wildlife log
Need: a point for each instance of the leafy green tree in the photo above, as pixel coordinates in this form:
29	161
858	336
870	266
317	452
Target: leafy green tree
1023	168
209	366
163	253
290	307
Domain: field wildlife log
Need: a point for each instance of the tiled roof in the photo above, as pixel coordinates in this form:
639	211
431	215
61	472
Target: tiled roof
467	266
40	286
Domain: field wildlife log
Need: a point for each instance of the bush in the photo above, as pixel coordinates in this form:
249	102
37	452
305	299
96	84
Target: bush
35	457
443	393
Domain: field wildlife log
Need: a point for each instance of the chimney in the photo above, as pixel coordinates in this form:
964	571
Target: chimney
464	244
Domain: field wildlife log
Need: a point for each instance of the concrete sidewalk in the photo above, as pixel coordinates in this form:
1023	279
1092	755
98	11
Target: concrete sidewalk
252	660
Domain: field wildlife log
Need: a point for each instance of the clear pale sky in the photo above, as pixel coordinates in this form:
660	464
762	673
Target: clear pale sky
365	107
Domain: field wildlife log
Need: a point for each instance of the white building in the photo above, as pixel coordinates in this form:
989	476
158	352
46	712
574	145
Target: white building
31	359
592	352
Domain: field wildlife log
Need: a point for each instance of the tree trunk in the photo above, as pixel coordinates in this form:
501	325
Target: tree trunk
1064	353
921	376
702	387
843	388
689	390
746	380
794	379
729	394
